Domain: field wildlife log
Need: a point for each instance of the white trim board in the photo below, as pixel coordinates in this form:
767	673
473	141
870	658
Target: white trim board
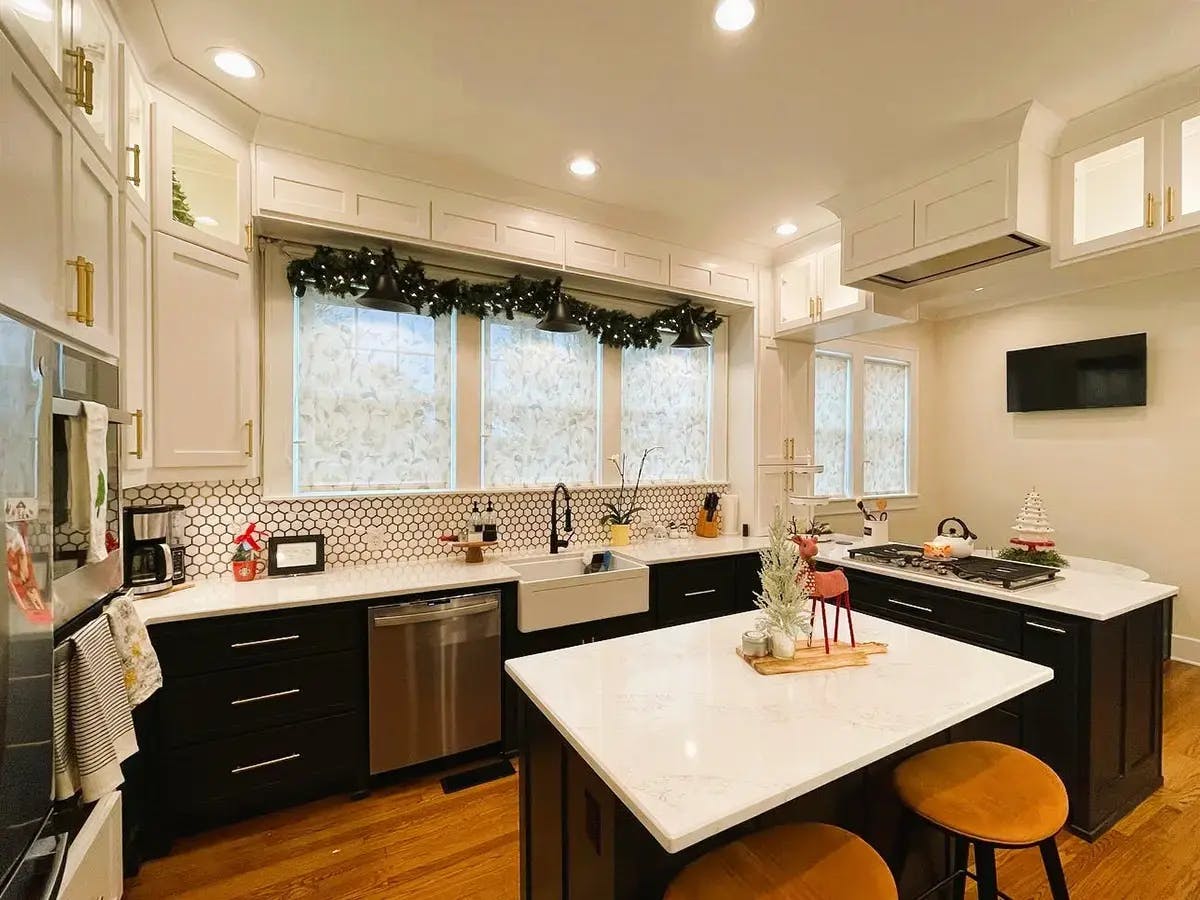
1185	649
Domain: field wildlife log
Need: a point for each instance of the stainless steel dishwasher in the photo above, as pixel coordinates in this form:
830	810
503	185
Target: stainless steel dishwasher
434	678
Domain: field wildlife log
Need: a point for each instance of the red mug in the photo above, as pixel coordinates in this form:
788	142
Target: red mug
246	569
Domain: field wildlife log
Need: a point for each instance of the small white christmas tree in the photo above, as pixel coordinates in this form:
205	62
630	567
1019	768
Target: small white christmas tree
783	600
1032	523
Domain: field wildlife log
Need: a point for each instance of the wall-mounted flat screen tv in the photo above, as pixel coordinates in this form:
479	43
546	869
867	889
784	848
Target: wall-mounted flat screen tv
1084	375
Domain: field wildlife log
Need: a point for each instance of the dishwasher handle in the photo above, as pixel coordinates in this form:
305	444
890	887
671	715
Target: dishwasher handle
425	614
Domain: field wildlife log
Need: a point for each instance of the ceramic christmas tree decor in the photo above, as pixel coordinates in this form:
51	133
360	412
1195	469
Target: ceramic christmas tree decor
1034	539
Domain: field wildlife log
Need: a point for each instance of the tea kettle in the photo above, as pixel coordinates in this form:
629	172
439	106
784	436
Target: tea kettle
954	540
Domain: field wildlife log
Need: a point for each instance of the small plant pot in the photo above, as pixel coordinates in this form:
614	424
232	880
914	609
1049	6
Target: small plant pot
783	645
246	569
618	535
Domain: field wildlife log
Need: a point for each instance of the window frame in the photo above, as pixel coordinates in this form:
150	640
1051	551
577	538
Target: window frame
859	352
278	373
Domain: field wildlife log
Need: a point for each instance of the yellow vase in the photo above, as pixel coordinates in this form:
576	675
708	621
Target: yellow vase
618	535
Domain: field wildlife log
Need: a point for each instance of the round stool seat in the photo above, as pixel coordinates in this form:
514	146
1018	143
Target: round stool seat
788	862
985	791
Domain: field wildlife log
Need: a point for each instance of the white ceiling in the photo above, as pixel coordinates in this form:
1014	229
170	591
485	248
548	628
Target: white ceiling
738	131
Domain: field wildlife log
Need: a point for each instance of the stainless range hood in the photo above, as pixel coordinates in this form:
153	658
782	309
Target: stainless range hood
985	253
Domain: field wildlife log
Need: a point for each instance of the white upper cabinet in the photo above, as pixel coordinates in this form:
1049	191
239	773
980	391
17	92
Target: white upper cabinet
591	248
35	195
796	293
41	31
476	223
94	49
1110	193
205	360
137	291
304	189
834	298
94	237
202	181
782	402
969	197
1182	169
878	232
694	270
133	174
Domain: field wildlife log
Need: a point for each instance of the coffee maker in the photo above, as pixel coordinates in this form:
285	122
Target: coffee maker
154	552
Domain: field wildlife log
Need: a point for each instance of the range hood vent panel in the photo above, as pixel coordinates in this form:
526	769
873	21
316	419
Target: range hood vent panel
986	253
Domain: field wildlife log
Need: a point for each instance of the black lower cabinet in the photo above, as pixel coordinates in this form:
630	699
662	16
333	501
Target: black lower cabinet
699	589
1098	723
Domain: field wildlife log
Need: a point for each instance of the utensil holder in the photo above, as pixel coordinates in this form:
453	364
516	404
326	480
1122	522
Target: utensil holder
875	532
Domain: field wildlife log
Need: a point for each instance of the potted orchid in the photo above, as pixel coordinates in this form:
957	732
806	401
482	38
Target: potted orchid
619	517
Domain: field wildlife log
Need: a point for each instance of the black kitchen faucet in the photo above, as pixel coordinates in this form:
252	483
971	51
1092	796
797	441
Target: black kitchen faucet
555	543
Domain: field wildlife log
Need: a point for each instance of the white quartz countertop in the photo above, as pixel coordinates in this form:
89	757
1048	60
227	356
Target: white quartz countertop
1083	592
693	741
226	597
652	552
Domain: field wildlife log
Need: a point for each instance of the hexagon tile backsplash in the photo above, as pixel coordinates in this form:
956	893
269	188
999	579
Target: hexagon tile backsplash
364	530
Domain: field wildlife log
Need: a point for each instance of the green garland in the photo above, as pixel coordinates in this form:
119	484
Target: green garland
1040	557
346	273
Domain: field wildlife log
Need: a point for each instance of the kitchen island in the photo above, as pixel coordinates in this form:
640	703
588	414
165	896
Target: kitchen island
641	753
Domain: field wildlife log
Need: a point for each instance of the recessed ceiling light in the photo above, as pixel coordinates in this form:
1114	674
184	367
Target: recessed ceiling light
978	289
231	62
207	221
35	9
583	166
786	229
734	15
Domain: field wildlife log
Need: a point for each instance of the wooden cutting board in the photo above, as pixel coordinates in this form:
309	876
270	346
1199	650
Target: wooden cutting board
814	658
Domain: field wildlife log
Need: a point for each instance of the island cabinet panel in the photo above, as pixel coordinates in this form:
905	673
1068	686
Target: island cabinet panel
1098	723
693	590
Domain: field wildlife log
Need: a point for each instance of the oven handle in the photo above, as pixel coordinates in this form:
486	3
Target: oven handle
64	407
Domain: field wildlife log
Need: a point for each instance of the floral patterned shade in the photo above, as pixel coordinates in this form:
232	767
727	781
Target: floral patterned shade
885	427
373	398
541	405
831	424
666	399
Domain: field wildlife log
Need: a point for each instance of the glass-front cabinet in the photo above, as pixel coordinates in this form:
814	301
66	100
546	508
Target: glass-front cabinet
795	293
809	289
1181	169
72	46
134	171
202	181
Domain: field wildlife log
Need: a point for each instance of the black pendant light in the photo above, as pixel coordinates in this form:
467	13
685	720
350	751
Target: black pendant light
557	319
690	337
384	292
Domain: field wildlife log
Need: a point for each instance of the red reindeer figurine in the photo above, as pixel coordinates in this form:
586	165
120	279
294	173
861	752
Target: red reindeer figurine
823	586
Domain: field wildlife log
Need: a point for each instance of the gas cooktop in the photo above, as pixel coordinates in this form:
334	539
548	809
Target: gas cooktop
988	570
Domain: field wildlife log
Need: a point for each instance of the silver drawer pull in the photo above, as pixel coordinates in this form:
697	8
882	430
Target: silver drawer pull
264	697
287	637
262	765
1042	627
895	602
700	593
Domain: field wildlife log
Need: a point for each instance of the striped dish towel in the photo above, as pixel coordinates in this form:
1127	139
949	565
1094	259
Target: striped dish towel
93	728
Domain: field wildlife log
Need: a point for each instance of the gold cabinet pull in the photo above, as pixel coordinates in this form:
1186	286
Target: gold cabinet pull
250	438
89	277
138	418
1170	212
785	448
1149	210
89	71
249	238
136	177
79	314
78	92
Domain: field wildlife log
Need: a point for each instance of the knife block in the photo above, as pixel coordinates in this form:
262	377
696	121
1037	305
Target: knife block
706	527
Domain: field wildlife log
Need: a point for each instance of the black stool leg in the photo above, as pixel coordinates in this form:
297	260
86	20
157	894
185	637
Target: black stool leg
1054	869
985	871
903	842
959	851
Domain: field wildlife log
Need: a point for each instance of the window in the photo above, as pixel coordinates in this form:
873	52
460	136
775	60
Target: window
863	409
540	405
832	423
373	399
885	427
666	402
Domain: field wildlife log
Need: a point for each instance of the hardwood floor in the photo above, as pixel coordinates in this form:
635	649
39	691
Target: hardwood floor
412	841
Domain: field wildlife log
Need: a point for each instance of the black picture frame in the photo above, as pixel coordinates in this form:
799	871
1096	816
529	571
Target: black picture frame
273	545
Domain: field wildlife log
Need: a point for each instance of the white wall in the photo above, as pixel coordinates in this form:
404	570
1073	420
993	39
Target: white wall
1119	484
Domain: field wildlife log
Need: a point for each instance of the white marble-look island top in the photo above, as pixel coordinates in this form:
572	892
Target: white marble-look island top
693	741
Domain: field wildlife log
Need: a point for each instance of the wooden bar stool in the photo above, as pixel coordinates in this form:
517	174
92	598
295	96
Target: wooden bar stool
788	862
990	795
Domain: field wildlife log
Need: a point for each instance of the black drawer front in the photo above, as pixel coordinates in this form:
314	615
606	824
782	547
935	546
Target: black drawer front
210	645
985	623
694	590
227	778
237	701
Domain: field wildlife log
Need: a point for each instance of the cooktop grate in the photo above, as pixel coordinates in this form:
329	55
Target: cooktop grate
1003	573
